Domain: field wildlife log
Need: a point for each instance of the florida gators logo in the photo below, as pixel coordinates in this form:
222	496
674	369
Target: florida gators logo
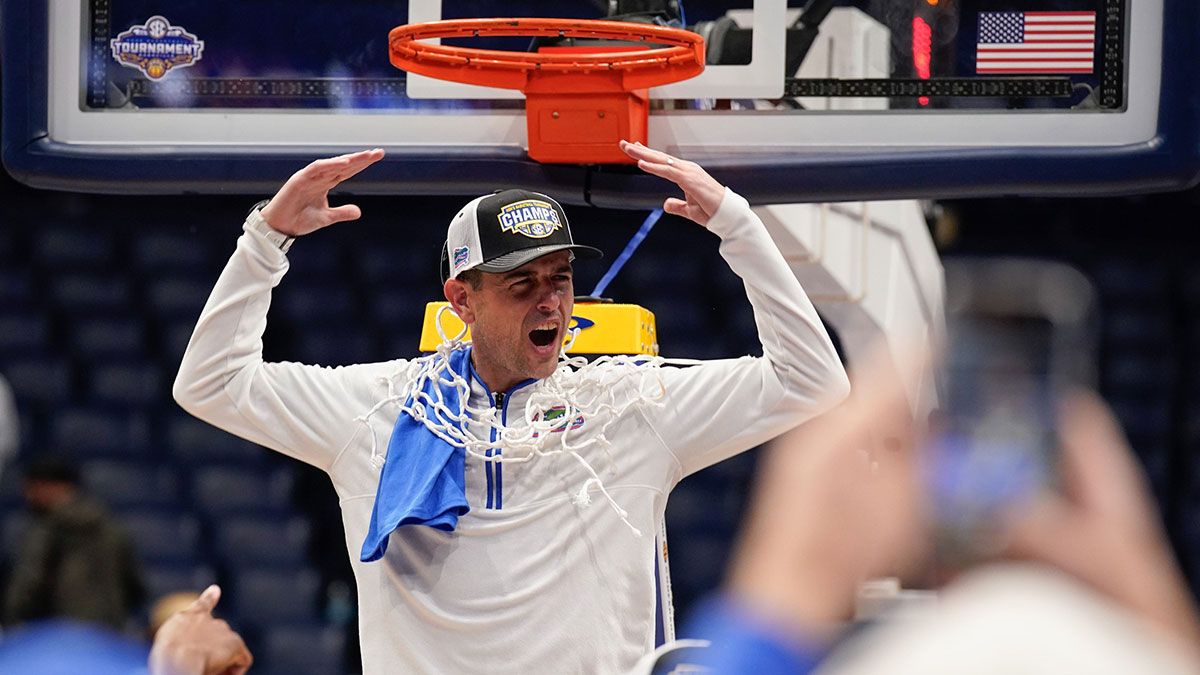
460	256
556	413
533	218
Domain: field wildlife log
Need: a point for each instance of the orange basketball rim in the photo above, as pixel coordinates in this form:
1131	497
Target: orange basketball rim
579	102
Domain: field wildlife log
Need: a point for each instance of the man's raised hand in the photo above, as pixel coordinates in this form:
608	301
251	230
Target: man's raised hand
302	204
702	193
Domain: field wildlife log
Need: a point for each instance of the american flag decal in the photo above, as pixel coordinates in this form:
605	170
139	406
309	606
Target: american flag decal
1035	42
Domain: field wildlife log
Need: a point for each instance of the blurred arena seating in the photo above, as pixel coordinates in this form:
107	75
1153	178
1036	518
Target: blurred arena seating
98	295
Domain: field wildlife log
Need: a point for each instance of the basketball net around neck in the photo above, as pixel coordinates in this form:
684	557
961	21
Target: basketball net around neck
598	390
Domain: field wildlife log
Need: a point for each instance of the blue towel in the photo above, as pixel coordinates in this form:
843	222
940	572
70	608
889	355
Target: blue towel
422	481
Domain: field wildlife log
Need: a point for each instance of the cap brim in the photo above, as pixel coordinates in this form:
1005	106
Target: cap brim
511	261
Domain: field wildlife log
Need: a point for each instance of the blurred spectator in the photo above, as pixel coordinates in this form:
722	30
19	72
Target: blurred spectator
1083	580
74	561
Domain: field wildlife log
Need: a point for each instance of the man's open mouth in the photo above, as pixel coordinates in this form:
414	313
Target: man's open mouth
544	334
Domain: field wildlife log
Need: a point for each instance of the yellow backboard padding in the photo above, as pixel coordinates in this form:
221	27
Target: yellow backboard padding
608	328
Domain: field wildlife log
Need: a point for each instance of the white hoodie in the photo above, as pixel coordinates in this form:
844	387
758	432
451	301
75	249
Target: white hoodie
530	581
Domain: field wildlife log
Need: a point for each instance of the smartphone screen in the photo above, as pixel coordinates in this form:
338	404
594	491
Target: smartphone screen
1016	337
993	443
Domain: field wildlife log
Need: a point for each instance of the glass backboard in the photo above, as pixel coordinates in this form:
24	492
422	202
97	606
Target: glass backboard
798	101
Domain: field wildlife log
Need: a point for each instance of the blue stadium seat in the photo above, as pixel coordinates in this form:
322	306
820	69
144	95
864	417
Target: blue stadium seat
1192	426
1156	463
68	247
384	265
1137	329
739	330
164	536
313	304
398	307
251	540
335	345
402	344
163	578
300	649
30	431
218	491
12	528
94	294
697	565
1132	373
23	332
178	297
40	379
691	345
318	255
1143	416
699	507
677	278
268	596
1124	281
16	292
191	442
8	244
116	336
1191	288
173	339
85	432
130	383
172	251
735	471
131	483
11	481
681	320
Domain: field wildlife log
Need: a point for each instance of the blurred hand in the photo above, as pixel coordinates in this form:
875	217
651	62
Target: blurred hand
1103	528
192	642
702	193
302	204
833	508
837	501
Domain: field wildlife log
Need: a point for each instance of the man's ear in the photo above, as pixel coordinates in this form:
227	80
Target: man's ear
458	293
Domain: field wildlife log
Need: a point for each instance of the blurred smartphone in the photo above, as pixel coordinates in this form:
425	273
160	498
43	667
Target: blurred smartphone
1018	334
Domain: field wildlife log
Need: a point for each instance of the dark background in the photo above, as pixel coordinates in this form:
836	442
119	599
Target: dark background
99	293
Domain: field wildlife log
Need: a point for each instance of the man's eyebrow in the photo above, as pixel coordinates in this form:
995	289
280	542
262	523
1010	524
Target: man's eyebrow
516	274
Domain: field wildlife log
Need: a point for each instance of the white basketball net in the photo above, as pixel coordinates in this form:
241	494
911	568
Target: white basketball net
578	386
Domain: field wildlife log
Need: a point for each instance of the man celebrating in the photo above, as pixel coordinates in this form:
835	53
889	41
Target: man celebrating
465	476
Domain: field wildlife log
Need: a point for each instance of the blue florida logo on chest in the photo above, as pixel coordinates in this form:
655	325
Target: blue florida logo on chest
531	217
558	412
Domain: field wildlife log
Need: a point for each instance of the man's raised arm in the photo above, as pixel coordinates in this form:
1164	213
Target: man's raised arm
725	407
303	411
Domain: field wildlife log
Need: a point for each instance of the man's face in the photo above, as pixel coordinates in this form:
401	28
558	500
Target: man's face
518	320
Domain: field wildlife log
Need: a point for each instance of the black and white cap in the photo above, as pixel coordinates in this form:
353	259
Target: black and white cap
502	231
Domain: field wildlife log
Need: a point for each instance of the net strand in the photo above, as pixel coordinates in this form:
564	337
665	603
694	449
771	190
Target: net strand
581	389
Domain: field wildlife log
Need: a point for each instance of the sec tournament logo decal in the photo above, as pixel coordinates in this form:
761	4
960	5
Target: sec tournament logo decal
531	217
156	47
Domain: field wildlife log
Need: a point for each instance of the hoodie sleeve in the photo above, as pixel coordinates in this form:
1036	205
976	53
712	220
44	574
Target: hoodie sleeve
719	408
307	412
